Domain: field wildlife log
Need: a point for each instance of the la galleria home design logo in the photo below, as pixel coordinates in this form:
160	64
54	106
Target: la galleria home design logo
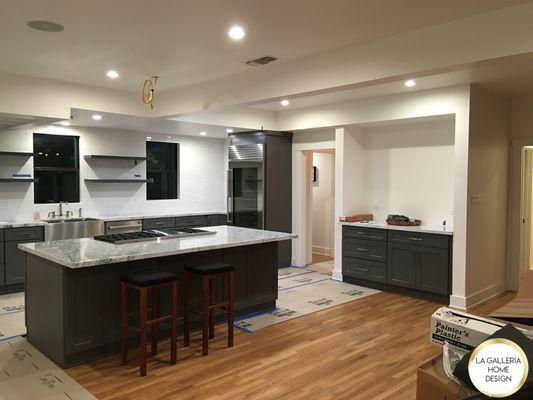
498	368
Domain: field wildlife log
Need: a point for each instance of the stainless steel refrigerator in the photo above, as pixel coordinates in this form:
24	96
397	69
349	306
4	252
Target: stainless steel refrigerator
260	184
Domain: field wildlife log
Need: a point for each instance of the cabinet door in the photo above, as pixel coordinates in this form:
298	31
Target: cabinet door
401	266
2	274
432	270
15	263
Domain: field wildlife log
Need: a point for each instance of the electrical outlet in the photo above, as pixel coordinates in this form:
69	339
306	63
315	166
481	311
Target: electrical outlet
477	199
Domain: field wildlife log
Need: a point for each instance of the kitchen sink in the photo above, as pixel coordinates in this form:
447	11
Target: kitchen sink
72	228
68	220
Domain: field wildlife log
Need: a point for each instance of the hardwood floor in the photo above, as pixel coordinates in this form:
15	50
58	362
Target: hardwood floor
317	258
365	349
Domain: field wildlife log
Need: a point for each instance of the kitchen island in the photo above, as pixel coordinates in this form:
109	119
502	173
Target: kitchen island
72	286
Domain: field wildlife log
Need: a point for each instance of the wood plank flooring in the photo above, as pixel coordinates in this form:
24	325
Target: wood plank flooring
365	349
318	257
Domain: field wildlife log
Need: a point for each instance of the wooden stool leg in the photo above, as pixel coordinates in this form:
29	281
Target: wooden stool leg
173	323
155	315
187	308
205	313
143	308
212	300
124	322
231	284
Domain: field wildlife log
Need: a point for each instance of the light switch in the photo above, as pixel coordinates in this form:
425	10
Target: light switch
477	199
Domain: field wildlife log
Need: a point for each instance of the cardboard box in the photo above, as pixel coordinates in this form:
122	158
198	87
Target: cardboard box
432	383
461	330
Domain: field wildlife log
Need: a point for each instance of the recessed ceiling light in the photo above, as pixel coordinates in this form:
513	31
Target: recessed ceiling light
45	26
203	133
229	130
236	32
64	123
112	74
97	117
409	83
285	102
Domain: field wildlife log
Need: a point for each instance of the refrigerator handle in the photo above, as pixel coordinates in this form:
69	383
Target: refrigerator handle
230	196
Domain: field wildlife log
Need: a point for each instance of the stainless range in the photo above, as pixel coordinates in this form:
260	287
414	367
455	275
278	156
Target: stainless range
153	235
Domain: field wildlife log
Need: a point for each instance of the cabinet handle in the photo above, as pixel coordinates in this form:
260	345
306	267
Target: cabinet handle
416	239
361	249
375	256
363	269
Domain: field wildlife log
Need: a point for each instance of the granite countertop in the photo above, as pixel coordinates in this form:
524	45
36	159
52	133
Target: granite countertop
147	216
23	223
383	225
79	253
19	224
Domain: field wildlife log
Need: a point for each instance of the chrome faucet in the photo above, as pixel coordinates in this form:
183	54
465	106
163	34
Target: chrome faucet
61	203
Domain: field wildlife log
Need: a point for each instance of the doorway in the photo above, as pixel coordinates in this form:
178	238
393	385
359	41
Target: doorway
322	205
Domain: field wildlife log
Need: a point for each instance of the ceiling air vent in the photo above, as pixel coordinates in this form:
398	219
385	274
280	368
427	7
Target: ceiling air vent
261	61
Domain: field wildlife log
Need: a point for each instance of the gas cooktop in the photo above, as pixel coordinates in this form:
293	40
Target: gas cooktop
154	234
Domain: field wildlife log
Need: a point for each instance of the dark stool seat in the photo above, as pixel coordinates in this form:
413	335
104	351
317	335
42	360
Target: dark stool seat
145	279
148	283
211	269
208	275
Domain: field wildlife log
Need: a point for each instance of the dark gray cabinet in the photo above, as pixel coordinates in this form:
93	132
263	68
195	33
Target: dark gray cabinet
159	223
192	221
416	262
401	268
2	260
433	270
13	258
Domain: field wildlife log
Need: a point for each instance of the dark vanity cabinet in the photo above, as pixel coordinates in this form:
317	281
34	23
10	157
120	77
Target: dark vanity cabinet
388	259
12	260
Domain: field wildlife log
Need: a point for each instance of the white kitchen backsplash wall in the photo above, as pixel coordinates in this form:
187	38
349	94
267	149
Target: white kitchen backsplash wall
409	169
202	174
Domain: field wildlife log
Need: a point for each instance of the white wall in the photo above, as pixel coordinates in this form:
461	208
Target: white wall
408	169
488	171
323	203
202	174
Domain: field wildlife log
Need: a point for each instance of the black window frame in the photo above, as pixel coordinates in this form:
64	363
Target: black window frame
166	171
58	170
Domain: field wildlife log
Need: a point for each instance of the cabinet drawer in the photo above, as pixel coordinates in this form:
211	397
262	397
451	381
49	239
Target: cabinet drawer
158	223
26	234
193	221
369	270
367	249
420	239
364	233
2	275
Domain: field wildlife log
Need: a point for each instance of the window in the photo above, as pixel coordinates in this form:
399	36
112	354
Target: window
56	166
162	168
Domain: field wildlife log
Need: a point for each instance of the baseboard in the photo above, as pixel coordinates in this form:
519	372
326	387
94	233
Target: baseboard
322	250
485	294
458	303
336	275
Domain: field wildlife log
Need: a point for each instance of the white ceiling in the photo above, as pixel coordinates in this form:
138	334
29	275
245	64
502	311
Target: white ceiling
185	42
143	124
509	77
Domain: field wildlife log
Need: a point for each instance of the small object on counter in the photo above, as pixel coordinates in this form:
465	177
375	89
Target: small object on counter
357	218
37	216
402	220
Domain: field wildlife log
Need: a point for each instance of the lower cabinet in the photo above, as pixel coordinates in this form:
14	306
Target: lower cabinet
401	267
2	275
15	262
424	265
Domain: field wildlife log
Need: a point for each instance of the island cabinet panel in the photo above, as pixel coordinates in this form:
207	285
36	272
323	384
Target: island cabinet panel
401	268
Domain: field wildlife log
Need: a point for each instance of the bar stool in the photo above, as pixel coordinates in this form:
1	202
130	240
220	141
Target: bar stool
208	275
145	283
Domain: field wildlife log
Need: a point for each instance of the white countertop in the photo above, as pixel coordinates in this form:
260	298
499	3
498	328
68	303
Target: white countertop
79	253
383	225
23	223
